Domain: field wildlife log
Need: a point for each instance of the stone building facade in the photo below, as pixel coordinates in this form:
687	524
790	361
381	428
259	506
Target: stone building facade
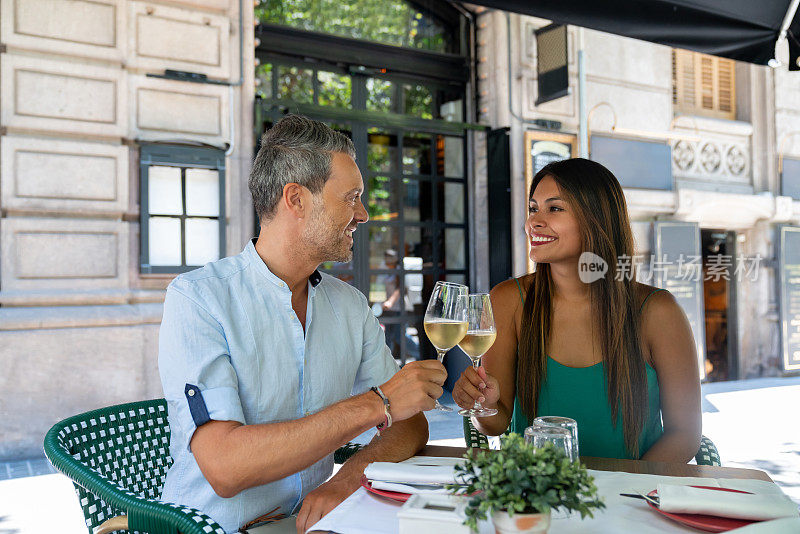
78	320
725	171
79	315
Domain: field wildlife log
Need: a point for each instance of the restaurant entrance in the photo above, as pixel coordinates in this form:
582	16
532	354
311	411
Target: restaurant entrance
405	112
719	294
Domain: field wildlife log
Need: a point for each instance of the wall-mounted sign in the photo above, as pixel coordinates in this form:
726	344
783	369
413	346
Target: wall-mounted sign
673	241
789	281
542	148
790	178
635	163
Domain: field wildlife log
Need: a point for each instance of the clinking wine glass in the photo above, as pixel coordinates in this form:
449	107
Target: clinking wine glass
480	336
446	320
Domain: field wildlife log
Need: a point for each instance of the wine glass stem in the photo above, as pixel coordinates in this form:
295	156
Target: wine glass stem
476	363
440	356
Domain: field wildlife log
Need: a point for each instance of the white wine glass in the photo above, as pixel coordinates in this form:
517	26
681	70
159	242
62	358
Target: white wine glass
446	320
480	336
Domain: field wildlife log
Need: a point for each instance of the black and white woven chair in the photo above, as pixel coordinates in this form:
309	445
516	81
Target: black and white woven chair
117	458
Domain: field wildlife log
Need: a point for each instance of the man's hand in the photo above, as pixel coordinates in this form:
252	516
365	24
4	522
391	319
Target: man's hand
476	386
322	500
397	443
415	388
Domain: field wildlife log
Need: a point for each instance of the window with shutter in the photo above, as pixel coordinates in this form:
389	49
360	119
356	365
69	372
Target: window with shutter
703	85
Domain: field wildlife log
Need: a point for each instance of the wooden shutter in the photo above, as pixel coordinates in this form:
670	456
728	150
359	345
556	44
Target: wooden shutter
726	89
683	81
703	85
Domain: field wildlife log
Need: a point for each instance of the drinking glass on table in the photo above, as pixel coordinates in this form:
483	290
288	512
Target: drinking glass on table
480	336
560	438
561	422
446	320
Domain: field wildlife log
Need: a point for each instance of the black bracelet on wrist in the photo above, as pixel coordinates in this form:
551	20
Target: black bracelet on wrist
386	405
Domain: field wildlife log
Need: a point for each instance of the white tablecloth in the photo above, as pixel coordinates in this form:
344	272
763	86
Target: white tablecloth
363	513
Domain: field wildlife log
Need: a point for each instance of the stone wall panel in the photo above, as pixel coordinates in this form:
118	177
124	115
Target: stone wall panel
53	374
39	174
40	254
70	97
166	110
83	28
164	37
208	5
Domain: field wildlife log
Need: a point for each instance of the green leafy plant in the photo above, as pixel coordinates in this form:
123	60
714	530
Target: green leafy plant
520	478
397	22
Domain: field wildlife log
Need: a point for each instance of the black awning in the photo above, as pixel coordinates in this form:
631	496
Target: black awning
745	30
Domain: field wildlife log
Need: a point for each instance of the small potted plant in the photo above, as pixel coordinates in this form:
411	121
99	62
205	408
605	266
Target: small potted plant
519	485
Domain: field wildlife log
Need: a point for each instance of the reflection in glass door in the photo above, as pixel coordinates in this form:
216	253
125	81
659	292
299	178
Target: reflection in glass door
417	230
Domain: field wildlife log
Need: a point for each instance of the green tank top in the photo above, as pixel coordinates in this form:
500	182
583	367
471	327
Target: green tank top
580	393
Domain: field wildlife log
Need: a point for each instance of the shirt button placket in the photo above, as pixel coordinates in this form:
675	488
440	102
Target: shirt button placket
297	330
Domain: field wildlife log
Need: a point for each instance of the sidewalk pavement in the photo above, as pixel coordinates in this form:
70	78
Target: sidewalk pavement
752	423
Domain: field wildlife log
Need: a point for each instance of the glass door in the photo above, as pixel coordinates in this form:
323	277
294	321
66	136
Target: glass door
411	150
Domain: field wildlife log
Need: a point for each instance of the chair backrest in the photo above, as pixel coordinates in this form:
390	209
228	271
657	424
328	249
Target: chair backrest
126	444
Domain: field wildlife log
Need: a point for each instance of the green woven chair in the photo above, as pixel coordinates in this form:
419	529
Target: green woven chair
707	455
117	458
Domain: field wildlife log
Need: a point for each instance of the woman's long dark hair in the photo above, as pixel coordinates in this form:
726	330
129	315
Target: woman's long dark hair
598	203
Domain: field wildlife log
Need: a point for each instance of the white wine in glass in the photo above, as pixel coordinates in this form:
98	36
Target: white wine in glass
444	335
446	320
477	342
479	338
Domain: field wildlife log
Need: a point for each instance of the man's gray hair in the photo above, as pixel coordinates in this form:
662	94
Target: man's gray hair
295	150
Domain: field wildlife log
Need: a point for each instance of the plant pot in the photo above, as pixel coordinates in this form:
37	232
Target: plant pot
521	523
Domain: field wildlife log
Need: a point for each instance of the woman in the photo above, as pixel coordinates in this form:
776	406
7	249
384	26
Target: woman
616	355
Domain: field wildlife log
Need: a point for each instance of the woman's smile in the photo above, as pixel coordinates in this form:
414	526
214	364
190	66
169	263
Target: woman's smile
538	240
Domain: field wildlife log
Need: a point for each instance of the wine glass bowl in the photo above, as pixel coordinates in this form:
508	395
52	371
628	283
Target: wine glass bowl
444	335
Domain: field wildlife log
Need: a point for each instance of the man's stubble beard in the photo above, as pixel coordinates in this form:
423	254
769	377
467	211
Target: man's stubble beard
323	241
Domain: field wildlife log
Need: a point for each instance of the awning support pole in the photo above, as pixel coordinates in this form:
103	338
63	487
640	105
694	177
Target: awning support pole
787	21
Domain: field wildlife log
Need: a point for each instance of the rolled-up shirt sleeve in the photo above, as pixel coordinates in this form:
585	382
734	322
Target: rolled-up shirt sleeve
377	364
199	381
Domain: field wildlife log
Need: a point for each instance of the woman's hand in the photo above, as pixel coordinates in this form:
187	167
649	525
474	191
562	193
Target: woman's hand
476	386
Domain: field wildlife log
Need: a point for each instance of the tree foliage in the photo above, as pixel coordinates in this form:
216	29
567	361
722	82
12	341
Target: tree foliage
394	22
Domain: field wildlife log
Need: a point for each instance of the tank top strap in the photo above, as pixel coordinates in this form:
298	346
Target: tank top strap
648	296
521	295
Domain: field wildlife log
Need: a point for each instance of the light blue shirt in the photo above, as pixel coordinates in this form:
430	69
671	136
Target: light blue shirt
231	344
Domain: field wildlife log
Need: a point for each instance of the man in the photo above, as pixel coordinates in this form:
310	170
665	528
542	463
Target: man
392	306
259	353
